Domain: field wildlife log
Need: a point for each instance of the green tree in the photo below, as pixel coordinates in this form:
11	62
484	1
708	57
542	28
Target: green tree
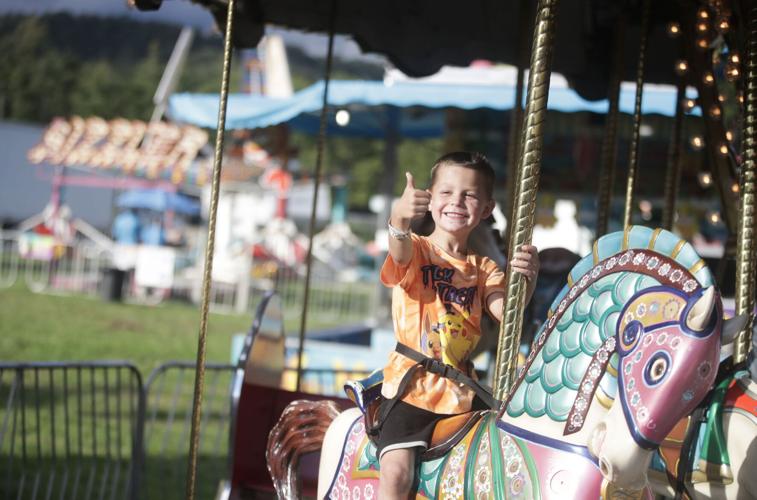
36	78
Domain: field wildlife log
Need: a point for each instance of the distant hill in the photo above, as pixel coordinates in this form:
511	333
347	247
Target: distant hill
61	64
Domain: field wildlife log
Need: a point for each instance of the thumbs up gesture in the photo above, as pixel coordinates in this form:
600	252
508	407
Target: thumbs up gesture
413	204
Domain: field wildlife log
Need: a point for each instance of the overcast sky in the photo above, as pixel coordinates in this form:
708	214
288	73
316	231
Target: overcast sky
180	12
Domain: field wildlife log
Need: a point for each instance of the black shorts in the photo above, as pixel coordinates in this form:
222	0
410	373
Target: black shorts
406	426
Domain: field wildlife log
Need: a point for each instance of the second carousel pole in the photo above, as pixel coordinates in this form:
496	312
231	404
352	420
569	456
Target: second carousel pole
316	186
633	160
745	272
194	436
526	187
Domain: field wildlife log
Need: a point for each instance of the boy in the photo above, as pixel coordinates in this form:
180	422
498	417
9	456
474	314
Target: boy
439	291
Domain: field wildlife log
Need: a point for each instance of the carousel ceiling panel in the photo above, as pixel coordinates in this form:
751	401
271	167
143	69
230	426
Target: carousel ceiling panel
420	36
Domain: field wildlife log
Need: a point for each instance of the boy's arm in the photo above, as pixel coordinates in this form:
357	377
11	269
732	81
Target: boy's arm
525	262
412	204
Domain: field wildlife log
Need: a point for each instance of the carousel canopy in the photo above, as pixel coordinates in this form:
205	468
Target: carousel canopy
420	36
247	111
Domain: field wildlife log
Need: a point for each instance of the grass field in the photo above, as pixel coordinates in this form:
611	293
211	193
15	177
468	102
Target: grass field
39	327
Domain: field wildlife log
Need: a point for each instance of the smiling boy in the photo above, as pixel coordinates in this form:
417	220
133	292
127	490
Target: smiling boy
439	291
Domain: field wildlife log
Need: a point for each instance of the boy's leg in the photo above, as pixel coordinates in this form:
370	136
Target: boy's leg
397	473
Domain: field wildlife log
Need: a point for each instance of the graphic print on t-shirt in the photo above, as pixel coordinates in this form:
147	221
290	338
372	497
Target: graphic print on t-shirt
447	335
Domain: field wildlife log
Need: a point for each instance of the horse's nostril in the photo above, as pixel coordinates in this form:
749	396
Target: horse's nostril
604	468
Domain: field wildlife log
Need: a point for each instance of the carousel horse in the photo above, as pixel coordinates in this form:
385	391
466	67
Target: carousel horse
631	345
714	450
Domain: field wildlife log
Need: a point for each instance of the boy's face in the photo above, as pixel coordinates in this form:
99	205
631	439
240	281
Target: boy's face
459	200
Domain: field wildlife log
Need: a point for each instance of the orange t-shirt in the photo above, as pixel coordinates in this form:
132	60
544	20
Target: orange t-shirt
437	303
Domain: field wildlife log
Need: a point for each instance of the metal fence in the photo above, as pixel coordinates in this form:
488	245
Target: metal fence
169	394
93	430
70	430
85	268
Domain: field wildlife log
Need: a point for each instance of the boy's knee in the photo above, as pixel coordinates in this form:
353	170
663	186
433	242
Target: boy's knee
397	473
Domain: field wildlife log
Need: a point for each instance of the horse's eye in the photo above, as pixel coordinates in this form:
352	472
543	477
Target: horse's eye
657	367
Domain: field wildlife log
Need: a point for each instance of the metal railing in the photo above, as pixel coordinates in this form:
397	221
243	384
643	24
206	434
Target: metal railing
93	430
70	430
80	268
169	391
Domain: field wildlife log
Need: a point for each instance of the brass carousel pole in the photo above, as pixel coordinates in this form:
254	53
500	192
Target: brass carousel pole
673	175
525	193
316	186
194	439
745	239
609	142
633	159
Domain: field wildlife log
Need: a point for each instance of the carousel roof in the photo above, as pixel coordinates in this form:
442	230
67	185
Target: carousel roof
420	36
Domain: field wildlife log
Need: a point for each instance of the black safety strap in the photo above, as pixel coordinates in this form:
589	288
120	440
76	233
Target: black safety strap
438	367
430	365
698	417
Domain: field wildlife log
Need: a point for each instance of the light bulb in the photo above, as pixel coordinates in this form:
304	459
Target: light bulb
674	29
708	78
715	111
681	67
705	179
729	135
697	142
342	117
723	149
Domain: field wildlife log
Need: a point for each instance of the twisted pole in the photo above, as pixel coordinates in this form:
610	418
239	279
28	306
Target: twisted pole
609	141
745	238
194	437
316	186
525	193
633	159
673	174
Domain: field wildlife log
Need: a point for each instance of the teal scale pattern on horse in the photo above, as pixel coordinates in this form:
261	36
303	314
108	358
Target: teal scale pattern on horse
553	375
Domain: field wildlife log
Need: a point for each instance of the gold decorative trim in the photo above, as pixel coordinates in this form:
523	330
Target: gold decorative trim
626	235
653	240
677	249
611	370
603	399
570	280
698	265
595	251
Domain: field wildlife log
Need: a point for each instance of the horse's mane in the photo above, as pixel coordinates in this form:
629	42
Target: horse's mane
552	377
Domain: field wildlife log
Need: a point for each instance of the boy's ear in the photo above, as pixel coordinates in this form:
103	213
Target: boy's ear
488	209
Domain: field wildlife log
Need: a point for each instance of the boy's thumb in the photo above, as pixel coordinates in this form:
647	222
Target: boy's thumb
410	184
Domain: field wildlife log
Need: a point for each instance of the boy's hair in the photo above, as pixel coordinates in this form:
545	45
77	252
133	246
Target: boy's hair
474	161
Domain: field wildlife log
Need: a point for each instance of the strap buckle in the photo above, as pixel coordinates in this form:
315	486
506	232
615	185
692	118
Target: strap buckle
437	367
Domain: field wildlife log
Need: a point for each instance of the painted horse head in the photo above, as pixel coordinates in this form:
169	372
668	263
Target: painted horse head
668	344
630	347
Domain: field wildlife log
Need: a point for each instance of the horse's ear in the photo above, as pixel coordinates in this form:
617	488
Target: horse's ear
699	315
732	327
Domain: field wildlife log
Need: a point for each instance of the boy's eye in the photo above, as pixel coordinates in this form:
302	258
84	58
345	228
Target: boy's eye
471	195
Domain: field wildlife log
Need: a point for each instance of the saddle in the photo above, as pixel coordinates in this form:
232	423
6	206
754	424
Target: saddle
366	394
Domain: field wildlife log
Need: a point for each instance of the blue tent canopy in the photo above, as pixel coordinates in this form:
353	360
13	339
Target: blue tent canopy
301	110
159	200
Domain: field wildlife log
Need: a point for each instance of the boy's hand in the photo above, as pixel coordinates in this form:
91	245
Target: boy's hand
413	204
526	262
